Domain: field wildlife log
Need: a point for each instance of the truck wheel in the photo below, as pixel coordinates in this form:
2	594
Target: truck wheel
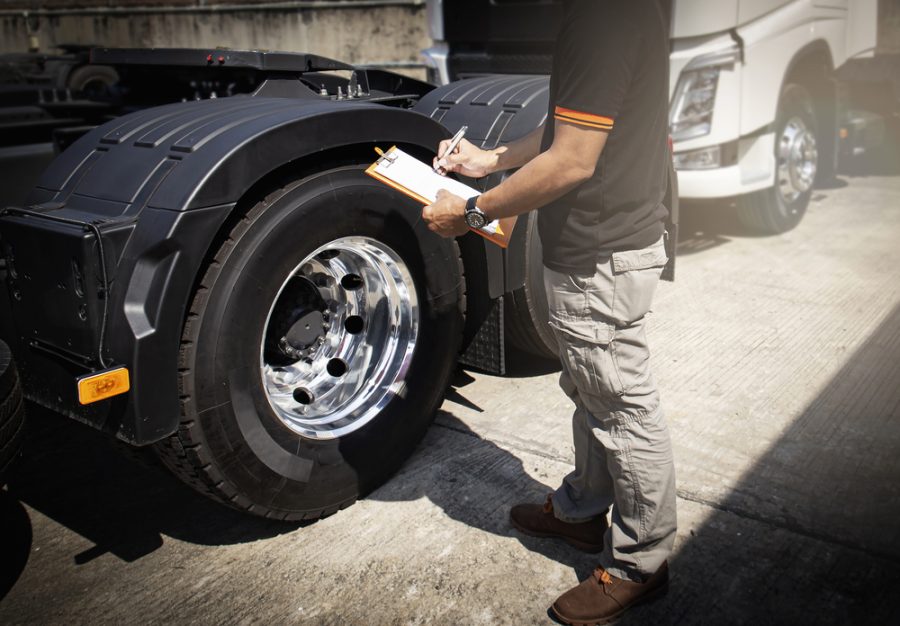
92	81
527	317
780	208
317	348
12	412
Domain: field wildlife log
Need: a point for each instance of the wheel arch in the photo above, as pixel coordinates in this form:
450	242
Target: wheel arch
240	179
259	183
812	68
170	181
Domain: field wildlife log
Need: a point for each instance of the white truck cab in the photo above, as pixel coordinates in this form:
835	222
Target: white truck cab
754	104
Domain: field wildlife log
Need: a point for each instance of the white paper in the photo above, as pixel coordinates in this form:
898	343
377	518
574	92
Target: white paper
408	171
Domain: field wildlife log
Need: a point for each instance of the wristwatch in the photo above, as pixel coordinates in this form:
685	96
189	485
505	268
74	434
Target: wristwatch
475	217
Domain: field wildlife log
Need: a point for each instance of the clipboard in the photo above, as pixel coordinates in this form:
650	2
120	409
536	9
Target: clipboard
419	181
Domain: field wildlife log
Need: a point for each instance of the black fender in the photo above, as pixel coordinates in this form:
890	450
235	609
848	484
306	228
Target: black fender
159	185
498	110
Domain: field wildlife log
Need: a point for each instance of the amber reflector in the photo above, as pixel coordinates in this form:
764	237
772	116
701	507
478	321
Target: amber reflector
103	385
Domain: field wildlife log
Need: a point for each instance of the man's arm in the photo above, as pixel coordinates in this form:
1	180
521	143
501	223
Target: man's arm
469	160
570	161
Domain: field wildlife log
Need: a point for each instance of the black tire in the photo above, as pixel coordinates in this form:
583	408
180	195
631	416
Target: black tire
94	81
12	413
282	474
768	212
527	317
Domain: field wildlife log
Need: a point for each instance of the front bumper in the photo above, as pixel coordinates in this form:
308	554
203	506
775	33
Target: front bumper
754	171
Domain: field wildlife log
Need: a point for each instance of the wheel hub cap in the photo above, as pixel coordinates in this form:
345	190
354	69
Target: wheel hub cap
797	160
306	331
339	338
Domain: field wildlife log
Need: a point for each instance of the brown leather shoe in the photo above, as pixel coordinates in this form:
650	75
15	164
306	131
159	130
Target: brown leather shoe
538	520
603	597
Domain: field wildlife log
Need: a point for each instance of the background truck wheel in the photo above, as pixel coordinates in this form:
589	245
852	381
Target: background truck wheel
93	81
527	317
780	208
12	412
318	346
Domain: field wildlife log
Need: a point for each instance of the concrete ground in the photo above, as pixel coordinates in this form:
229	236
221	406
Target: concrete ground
779	360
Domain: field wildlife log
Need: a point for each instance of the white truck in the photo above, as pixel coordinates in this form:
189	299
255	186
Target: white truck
754	102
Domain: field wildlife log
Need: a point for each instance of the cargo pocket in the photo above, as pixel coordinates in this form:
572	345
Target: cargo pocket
566	295
636	274
582	332
593	369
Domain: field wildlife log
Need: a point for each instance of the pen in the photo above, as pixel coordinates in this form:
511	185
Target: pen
453	144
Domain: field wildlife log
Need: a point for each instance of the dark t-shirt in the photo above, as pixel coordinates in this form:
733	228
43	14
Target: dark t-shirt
610	71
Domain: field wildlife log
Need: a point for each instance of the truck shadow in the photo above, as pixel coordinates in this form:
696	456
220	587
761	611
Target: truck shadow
475	482
118	499
704	225
15	541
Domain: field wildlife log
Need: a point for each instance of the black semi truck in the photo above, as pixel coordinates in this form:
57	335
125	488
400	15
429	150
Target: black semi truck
219	280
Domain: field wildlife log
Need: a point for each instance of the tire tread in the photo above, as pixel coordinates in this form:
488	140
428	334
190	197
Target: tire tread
12	412
755	210
185	452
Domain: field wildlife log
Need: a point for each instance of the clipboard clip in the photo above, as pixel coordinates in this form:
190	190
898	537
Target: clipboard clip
385	156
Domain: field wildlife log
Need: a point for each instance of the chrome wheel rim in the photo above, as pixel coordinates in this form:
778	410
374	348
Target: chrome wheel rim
339	338
797	160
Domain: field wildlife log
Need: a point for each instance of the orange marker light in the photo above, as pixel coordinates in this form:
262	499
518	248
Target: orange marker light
104	385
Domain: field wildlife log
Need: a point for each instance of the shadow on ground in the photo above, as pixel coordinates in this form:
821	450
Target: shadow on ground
123	504
810	534
15	541
475	482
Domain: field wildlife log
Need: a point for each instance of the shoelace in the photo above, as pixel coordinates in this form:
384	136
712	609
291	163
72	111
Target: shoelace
548	505
602	576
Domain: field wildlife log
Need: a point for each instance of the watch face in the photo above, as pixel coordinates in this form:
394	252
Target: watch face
475	219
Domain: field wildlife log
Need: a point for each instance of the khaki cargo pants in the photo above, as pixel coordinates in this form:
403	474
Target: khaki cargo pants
623	454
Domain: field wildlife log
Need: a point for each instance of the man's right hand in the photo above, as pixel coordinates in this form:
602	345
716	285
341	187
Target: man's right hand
467	160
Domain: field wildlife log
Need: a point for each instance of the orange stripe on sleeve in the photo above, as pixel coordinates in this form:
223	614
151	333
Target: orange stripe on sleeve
585	119
580	123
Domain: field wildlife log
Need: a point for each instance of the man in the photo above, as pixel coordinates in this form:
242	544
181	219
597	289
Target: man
597	172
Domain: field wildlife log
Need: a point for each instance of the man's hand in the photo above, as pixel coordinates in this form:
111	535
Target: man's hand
447	216
467	160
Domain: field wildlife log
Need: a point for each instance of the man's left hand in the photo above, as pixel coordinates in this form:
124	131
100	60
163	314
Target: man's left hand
447	216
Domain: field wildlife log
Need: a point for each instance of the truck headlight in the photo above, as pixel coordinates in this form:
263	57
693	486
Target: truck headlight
692	106
691	112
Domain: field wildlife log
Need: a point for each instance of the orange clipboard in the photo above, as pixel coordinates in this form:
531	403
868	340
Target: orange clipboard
419	181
